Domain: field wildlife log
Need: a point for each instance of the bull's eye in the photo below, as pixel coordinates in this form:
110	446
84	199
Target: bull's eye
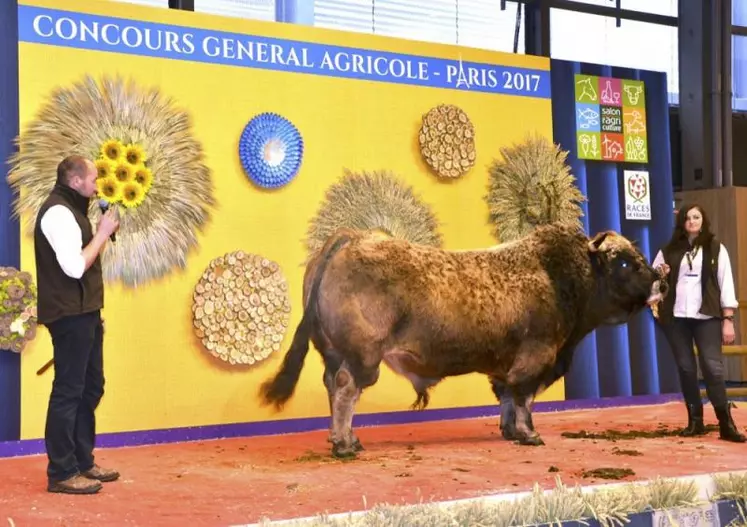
623	263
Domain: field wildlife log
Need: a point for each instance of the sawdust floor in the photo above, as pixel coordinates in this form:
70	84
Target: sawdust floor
238	481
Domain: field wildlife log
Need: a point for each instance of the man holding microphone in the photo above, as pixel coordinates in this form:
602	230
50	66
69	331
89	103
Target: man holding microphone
70	298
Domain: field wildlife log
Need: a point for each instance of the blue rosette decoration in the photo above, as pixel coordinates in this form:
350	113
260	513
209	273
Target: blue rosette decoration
271	150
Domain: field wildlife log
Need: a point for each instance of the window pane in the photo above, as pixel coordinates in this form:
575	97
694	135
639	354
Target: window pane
739	72
483	25
251	9
432	21
345	15
656	7
473	23
739	13
591	38
151	3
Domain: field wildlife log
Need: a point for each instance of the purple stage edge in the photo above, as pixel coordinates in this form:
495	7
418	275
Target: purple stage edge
29	447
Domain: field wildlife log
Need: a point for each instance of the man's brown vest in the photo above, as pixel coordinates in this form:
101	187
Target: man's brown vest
58	294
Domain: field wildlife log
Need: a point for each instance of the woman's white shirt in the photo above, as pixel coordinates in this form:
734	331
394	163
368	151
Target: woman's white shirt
689	292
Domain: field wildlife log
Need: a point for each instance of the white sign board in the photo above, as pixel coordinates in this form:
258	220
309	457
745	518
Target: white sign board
637	195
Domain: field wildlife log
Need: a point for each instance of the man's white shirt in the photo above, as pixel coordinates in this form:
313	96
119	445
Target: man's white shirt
64	235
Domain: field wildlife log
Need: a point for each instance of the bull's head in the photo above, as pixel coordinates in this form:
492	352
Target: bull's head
626	281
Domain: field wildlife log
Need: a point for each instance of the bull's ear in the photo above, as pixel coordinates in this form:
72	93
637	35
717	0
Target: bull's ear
596	242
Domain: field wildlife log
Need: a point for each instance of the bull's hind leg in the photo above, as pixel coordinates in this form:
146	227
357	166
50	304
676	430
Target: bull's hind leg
348	385
332	364
508	411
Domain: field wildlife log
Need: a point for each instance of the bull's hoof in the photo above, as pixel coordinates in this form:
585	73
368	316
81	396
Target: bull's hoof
535	440
341	451
357	446
509	432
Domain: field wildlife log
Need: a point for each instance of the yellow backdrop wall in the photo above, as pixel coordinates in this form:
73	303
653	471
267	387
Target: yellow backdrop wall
157	373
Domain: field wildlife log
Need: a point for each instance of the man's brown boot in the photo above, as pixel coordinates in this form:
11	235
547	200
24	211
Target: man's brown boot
101	474
76	484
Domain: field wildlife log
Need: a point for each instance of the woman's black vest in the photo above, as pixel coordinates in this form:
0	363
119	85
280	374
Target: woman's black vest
710	290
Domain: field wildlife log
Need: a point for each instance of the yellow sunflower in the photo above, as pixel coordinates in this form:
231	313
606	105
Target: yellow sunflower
124	172
109	189
144	177
105	167
132	194
134	154
112	150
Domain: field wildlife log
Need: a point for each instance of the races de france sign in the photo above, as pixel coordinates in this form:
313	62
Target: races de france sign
637	195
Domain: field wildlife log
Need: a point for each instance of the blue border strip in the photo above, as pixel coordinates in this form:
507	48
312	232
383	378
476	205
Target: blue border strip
291	426
722	512
150	39
10	232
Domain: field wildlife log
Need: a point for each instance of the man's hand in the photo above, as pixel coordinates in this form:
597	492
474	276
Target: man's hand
727	332
663	270
109	223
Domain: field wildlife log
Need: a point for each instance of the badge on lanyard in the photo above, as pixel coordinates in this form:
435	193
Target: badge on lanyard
690	255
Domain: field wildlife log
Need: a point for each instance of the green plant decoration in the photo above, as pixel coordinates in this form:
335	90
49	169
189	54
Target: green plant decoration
17	309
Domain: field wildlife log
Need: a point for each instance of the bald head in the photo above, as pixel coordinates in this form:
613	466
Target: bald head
71	166
78	173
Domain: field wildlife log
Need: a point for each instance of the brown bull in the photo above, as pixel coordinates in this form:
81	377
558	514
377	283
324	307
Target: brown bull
514	312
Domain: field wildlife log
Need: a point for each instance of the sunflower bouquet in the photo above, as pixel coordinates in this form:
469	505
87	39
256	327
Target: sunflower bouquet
17	309
123	174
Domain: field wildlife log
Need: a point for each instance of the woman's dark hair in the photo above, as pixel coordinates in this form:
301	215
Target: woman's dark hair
679	236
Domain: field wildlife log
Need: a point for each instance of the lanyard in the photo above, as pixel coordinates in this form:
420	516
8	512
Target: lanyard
690	255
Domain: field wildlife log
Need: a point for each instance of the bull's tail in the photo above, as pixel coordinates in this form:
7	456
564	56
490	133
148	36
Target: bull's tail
280	388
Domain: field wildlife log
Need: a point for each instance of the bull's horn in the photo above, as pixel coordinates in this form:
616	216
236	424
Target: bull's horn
597	241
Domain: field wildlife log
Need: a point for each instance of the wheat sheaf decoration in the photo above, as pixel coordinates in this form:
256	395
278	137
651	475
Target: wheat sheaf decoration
149	164
531	186
373	201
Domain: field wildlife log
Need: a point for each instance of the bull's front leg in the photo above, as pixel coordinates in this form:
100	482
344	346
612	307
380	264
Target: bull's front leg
332	365
508	411
348	386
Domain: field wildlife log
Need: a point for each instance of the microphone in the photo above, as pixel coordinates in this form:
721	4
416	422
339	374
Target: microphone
103	207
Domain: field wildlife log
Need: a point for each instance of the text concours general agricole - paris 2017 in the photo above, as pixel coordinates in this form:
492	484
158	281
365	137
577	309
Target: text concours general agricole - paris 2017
103	33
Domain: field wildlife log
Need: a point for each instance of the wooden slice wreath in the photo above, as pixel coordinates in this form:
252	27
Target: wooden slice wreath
447	141
241	308
376	201
531	186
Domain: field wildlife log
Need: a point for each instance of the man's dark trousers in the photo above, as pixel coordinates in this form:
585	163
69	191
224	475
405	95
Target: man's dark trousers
78	386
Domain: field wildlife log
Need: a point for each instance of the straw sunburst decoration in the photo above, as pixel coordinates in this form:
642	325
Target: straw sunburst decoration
531	186
373	201
149	163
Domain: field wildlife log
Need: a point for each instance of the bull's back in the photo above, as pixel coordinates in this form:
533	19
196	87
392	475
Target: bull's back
454	315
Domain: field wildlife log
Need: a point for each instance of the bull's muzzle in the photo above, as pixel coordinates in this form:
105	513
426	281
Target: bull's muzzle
658	291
